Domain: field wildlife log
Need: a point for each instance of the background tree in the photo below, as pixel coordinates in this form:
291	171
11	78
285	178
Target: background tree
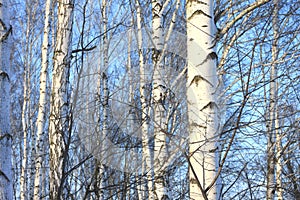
41	116
6	175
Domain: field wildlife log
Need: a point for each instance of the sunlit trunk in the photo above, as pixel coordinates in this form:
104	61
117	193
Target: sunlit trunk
59	108
202	86
273	114
158	101
274	109
41	117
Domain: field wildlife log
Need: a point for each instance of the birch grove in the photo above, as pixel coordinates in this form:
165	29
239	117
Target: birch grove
28	151
159	99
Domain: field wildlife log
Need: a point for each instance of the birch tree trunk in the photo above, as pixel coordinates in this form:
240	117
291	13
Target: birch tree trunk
132	122
279	163
59	116
144	95
104	101
158	98
271	140
273	118
6	177
26	126
202	86
41	117
274	115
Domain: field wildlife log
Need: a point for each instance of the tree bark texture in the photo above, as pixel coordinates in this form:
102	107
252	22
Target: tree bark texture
59	108
6	178
41	117
202	88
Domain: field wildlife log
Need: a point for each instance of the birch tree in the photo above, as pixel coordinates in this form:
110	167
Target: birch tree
273	116
144	98
274	108
158	96
28	119
258	31
161	93
41	117
6	176
202	86
103	81
59	108
203	107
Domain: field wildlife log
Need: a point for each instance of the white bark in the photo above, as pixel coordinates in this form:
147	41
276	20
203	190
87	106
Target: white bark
146	160
273	117
160	97
271	143
158	100
25	124
6	177
41	117
59	122
274	112
104	101
202	99
24	179
279	187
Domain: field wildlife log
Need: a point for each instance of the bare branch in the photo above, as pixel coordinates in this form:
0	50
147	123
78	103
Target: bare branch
84	49
247	10
4	175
